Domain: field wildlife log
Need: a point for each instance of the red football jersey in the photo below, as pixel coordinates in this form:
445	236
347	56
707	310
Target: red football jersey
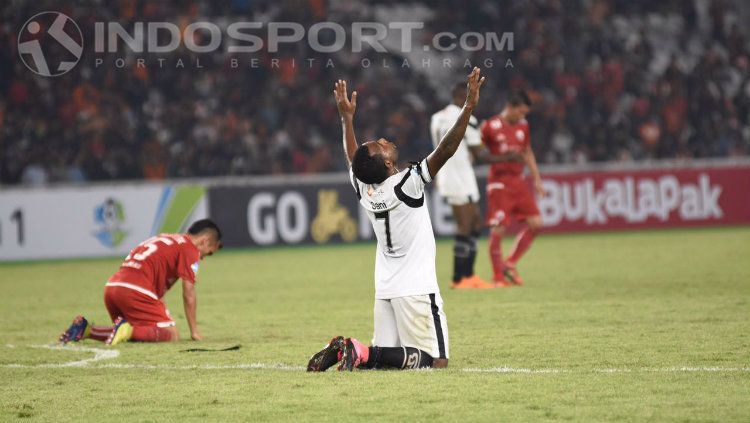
158	262
502	137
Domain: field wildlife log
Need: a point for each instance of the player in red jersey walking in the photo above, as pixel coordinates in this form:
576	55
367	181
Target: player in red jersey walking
508	195
133	295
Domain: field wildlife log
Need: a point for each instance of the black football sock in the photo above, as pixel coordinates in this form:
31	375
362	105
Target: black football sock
461	255
472	253
398	357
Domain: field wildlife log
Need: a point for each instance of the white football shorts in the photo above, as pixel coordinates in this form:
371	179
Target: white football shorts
458	187
416	321
462	199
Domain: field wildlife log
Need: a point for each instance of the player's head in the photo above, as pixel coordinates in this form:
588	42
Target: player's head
206	236
375	161
517	107
459	94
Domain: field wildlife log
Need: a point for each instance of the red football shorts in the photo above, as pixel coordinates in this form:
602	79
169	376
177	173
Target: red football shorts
137	308
509	198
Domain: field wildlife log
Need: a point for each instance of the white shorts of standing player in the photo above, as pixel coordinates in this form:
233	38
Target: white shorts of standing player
458	186
416	321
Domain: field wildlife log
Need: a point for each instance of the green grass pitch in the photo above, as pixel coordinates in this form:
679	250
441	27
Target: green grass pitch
610	327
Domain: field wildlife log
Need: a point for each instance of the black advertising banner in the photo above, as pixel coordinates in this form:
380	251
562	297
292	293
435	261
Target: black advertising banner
319	213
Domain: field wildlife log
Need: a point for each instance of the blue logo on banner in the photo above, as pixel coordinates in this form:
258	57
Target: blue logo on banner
110	215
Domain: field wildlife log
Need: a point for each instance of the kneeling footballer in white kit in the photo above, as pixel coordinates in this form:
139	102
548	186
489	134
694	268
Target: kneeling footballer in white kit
411	330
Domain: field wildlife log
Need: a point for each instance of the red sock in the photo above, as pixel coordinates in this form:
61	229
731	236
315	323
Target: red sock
523	242
100	333
151	334
496	254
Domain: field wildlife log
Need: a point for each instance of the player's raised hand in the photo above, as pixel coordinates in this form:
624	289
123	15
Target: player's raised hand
473	83
343	103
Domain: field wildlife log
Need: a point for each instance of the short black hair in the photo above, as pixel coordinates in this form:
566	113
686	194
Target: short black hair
458	88
517	98
369	169
205	225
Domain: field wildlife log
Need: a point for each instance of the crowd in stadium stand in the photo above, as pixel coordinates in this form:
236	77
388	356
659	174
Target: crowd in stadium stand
612	80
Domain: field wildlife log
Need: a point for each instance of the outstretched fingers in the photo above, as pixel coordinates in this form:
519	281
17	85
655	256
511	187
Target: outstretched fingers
345	105
340	91
475	79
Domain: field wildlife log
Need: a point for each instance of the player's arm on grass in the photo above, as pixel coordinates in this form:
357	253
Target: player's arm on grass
346	111
452	139
482	155
530	159
190	303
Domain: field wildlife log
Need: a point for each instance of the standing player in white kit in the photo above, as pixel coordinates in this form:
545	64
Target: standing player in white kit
457	183
410	325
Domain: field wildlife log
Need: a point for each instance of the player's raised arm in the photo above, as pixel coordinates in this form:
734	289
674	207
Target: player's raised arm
346	111
452	139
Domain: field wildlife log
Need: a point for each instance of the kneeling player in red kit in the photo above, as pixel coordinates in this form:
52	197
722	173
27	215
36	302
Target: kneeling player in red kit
133	295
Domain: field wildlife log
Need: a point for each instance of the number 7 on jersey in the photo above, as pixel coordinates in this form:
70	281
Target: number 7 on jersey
383	215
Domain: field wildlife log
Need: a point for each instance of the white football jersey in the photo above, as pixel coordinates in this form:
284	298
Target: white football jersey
456	178
405	257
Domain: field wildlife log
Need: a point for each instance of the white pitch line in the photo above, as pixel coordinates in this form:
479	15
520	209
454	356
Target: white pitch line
700	369
615	370
251	366
101	354
287	367
513	370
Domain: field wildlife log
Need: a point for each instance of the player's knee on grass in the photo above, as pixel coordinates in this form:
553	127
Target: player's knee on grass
400	358
155	334
418	359
440	363
174	334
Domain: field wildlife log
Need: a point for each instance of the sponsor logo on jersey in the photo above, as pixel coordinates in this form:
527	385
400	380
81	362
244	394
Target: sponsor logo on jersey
372	192
195	266
110	216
